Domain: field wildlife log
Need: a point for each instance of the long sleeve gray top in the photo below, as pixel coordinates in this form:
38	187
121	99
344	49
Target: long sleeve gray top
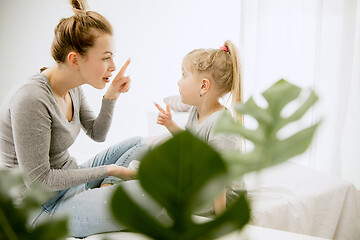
205	131
220	142
35	135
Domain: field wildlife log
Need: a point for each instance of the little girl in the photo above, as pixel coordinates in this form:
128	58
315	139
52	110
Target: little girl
207	75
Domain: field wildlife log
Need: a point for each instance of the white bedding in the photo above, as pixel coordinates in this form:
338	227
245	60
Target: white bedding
291	198
294	198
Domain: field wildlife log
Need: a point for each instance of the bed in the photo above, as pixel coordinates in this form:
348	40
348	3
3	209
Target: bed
294	198
298	199
288	201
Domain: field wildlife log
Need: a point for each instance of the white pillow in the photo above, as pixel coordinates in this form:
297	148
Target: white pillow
176	104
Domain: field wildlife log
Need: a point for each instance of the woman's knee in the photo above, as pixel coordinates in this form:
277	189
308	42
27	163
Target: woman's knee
138	140
137	144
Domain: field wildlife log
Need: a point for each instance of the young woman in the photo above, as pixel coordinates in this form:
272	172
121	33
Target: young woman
44	116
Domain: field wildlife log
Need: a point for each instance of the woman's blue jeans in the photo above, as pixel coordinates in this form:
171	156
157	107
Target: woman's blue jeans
87	205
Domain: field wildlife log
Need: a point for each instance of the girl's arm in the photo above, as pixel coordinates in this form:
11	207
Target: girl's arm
220	203
165	118
222	143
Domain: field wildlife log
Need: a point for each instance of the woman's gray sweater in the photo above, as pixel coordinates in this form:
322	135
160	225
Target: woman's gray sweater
35	135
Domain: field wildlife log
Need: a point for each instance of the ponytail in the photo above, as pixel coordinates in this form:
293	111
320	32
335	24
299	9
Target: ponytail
236	88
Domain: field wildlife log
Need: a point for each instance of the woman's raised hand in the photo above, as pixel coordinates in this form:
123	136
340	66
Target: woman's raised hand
120	84
121	172
164	116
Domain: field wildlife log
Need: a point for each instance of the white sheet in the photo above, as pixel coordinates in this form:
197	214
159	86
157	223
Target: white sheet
294	198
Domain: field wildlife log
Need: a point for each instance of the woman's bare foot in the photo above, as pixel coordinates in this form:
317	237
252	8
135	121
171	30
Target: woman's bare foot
106	184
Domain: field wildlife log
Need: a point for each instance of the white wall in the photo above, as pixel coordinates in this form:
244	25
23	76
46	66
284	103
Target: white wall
312	43
26	30
155	34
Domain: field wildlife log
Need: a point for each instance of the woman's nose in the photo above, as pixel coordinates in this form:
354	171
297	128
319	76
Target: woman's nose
112	66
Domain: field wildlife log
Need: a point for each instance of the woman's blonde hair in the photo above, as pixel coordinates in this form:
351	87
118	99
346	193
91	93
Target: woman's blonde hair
78	32
223	67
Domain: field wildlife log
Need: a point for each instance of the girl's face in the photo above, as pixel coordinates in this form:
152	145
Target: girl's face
189	85
97	65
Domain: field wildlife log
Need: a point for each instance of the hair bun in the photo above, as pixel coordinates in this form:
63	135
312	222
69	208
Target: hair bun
79	6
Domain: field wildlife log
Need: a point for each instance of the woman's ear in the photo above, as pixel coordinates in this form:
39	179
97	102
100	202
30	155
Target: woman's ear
73	60
205	86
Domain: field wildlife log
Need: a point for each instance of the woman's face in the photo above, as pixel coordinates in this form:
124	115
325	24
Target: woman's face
97	65
189	85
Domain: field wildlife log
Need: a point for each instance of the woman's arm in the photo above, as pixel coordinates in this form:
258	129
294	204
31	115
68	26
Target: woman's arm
32	133
96	127
120	84
121	172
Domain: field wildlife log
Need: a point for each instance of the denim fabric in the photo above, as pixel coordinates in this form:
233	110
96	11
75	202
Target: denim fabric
87	205
120	154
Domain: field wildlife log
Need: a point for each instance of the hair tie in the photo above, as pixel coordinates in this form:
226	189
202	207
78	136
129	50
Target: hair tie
224	48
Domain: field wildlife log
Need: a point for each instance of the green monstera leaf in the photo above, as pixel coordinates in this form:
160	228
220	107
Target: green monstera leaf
184	173
180	176
15	212
268	148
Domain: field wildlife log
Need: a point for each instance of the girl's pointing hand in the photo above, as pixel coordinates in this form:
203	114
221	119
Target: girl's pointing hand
164	116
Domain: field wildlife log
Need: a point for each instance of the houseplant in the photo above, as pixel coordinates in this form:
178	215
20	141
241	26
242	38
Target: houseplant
187	172
15	211
183	172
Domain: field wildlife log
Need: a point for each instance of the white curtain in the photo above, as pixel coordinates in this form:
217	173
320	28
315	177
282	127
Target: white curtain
313	44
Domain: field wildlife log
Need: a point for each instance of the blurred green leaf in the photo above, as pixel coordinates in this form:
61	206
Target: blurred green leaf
51	230
16	207
181	171
234	218
133	216
268	148
181	175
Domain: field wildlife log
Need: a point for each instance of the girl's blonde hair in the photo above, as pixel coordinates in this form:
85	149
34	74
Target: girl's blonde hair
223	67
78	32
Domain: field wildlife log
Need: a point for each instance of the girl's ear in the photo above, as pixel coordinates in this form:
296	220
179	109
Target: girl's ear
205	86
73	60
